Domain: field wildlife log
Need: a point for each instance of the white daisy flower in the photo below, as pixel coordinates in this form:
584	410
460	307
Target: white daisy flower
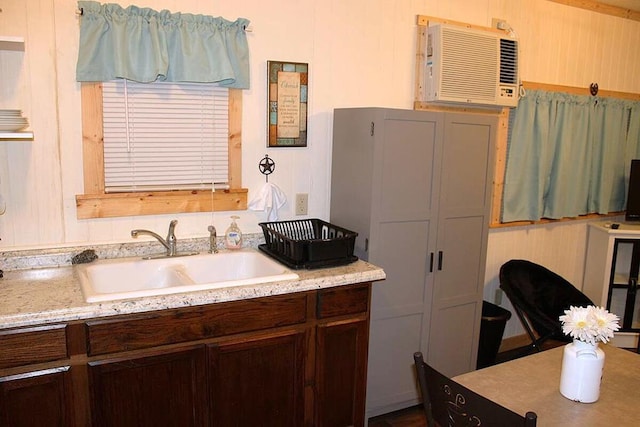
589	324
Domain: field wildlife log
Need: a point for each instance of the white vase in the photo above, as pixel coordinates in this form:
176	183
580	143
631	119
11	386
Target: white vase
582	365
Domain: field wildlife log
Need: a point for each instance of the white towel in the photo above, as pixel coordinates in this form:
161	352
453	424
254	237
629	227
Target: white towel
269	199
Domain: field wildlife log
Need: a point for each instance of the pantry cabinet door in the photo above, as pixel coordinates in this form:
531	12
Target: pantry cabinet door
463	221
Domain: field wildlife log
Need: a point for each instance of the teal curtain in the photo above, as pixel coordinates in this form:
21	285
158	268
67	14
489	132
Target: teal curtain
569	155
144	45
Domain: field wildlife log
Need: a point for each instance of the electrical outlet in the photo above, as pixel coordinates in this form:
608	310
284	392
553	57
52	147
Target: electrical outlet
498	296
302	203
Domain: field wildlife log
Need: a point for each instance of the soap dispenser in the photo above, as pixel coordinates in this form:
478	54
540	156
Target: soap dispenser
233	236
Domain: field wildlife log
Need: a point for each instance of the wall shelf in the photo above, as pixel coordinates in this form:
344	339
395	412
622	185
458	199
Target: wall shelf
12	43
16	136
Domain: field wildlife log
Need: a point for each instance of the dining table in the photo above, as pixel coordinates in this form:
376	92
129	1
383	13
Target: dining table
532	383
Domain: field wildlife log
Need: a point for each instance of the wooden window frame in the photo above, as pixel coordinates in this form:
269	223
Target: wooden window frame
96	203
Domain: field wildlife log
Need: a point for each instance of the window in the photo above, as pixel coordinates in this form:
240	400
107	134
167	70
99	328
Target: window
568	156
103	198
164	136
505	129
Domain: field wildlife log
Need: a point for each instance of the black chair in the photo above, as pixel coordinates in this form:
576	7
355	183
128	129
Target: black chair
447	403
539	297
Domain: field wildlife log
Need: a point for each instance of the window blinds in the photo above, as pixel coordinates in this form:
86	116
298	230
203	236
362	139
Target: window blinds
164	136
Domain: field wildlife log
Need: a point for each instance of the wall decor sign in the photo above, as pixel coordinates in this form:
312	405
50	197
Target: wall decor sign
288	100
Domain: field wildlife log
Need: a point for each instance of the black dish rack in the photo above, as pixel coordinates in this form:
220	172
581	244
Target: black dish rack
308	243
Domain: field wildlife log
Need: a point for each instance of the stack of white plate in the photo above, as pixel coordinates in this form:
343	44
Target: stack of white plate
12	121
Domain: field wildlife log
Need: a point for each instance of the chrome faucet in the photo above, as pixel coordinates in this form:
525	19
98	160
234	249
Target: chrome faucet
213	247
169	243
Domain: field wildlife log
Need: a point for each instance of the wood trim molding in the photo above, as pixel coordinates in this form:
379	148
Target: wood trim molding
235	138
580	91
599	7
92	138
500	166
425	20
159	202
95	203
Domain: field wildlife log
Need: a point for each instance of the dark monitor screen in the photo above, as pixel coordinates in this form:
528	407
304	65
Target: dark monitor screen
633	194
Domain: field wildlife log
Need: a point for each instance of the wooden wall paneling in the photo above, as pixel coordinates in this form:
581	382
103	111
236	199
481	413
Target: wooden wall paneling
42	156
28	84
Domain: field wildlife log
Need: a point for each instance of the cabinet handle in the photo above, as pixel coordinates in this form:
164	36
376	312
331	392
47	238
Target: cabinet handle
439	260
431	263
366	244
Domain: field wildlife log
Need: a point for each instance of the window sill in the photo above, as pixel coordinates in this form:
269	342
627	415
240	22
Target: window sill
159	202
555	221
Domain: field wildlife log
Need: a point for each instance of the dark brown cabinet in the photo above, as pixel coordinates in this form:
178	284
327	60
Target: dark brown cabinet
149	390
341	356
298	359
40	394
341	368
259	381
38	398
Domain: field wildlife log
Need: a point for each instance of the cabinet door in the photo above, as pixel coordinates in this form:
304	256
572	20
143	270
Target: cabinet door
258	381
406	186
464	206
161	389
36	399
341	369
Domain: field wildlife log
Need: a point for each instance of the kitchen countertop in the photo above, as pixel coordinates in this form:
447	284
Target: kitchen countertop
52	294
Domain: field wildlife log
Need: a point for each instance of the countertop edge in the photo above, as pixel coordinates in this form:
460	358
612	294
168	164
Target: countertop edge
60	298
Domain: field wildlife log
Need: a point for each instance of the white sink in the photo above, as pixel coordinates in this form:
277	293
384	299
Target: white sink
116	279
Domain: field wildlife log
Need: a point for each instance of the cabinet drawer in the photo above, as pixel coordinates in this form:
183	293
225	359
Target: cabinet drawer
26	346
194	323
343	300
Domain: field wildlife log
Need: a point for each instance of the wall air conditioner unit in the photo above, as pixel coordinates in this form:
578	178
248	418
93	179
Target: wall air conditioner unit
471	66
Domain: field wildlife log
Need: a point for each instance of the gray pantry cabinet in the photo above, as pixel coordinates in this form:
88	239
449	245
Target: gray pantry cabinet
416	187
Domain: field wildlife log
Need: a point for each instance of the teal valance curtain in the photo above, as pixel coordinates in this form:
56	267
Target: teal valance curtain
569	155
144	45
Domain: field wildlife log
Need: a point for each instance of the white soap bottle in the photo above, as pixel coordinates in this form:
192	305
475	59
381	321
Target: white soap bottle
233	236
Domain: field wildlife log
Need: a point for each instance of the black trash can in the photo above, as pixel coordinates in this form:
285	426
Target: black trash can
494	319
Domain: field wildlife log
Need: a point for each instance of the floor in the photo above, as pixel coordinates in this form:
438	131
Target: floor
410	417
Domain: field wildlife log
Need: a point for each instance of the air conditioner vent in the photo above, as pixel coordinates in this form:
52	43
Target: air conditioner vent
508	61
471	66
